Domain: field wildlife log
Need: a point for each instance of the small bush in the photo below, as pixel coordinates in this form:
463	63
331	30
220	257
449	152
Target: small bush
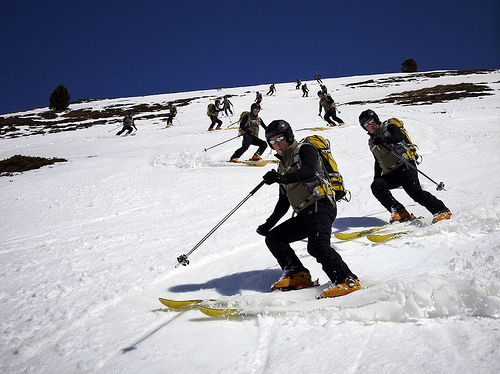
409	66
18	164
59	99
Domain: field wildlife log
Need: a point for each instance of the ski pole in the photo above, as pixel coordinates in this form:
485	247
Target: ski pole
225	141
116	128
178	121
440	185
232	123
183	259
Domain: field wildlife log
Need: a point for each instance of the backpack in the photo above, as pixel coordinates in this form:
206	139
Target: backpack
412	148
241	130
211	109
330	168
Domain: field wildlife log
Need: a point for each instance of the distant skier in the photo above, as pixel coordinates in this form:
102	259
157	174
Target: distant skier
249	128
305	90
272	90
213	112
128	125
326	102
258	98
173	112
318	78
298	83
226	105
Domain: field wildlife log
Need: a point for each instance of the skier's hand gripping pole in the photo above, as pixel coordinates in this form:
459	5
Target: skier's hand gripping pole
183	259
440	185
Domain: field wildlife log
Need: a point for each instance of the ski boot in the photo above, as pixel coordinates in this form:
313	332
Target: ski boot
233	160
401	215
256	157
445	214
343	288
293	279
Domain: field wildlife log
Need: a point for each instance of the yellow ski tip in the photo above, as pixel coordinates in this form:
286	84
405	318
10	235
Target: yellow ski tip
179	304
383	238
219	312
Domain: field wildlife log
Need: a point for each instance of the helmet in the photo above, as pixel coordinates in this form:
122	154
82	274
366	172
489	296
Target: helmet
277	127
320	93
367	114
255	106
217	101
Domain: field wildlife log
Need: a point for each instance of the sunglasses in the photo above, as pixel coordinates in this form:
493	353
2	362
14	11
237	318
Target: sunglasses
277	140
368	123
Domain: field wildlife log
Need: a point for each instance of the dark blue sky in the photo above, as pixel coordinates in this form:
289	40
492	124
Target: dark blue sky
104	49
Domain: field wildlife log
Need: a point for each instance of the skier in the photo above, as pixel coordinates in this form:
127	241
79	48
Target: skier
258	97
226	105
272	90
213	112
298	83
128	125
173	112
305	90
318	78
302	185
391	172
249	128
326	102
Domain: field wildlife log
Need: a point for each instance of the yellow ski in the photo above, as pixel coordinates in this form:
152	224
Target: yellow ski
219	312
180	304
357	234
384	237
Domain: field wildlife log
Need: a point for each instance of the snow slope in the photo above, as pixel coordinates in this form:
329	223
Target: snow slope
88	246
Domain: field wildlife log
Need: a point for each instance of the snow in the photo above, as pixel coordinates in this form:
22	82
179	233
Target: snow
88	246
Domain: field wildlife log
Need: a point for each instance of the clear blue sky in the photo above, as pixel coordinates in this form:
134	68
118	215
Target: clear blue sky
105	49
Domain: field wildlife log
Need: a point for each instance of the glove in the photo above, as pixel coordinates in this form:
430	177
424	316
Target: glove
379	140
264	229
273	177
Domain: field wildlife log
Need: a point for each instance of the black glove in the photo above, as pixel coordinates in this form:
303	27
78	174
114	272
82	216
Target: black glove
274	177
264	229
379	140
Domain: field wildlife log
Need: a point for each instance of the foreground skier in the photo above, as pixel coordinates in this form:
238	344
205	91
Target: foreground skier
302	186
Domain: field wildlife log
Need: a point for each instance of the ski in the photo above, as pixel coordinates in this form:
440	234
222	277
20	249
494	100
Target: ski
379	238
181	304
219	312
417	221
254	163
358	234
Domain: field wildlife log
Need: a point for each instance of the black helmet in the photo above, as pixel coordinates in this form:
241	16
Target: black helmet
255	106
366	115
277	127
320	93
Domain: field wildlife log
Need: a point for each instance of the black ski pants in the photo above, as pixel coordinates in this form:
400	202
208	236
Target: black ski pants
407	178
315	224
215	121
332	113
249	140
127	128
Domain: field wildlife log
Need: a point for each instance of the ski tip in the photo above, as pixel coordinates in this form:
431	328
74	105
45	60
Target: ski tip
179	304
384	237
219	312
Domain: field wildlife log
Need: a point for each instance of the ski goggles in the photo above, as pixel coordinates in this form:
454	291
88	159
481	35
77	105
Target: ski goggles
368	123
277	140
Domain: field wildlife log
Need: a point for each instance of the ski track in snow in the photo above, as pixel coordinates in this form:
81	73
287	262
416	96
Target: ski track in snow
88	246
